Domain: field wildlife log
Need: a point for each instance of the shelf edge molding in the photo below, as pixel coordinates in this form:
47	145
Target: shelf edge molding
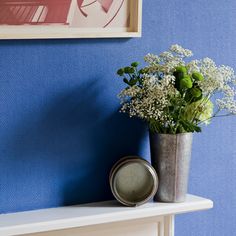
92	214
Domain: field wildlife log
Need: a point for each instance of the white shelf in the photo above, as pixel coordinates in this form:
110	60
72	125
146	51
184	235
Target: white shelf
92	214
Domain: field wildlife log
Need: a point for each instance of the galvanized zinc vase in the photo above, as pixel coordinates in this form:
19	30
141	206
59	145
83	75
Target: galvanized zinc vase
171	155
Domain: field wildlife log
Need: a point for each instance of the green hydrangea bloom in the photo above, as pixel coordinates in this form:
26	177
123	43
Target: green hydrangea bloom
200	110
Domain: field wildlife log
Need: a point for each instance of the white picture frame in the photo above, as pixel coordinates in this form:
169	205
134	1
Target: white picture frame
40	30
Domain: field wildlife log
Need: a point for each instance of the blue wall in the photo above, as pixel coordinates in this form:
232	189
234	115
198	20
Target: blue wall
60	130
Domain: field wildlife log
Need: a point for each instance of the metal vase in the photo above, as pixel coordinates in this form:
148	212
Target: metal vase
170	156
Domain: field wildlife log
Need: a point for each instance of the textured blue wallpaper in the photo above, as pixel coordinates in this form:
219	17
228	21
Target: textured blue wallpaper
60	131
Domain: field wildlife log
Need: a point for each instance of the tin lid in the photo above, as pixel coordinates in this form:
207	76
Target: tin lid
133	181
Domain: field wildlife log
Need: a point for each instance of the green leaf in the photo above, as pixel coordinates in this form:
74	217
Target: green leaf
131	70
197	76
180	72
134	64
132	82
142	71
182	69
186	82
126	81
126	69
120	72
196	92
190	127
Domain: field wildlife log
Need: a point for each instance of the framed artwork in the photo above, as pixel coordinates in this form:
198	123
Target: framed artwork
28	19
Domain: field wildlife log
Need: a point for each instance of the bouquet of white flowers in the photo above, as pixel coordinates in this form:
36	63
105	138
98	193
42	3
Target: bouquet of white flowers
175	96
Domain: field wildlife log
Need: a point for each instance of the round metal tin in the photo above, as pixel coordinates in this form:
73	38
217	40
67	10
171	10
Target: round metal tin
133	181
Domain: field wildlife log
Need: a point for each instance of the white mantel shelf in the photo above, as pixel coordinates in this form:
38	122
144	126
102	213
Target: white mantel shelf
88	215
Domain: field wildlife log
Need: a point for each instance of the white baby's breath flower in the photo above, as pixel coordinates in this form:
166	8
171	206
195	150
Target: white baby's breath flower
210	85
150	101
216	79
227	104
166	56
193	66
181	51
227	73
129	92
229	91
152	59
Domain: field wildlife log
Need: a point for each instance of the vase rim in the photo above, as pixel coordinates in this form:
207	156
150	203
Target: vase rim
185	133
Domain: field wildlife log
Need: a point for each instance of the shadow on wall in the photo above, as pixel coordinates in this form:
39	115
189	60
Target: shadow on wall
73	145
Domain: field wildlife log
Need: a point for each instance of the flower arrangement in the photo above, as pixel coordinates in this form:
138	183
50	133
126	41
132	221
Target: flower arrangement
174	95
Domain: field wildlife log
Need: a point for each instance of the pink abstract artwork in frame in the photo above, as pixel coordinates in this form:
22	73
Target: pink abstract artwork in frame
69	18
70	14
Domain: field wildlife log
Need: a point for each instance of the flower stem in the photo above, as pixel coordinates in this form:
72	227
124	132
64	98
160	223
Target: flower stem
215	116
